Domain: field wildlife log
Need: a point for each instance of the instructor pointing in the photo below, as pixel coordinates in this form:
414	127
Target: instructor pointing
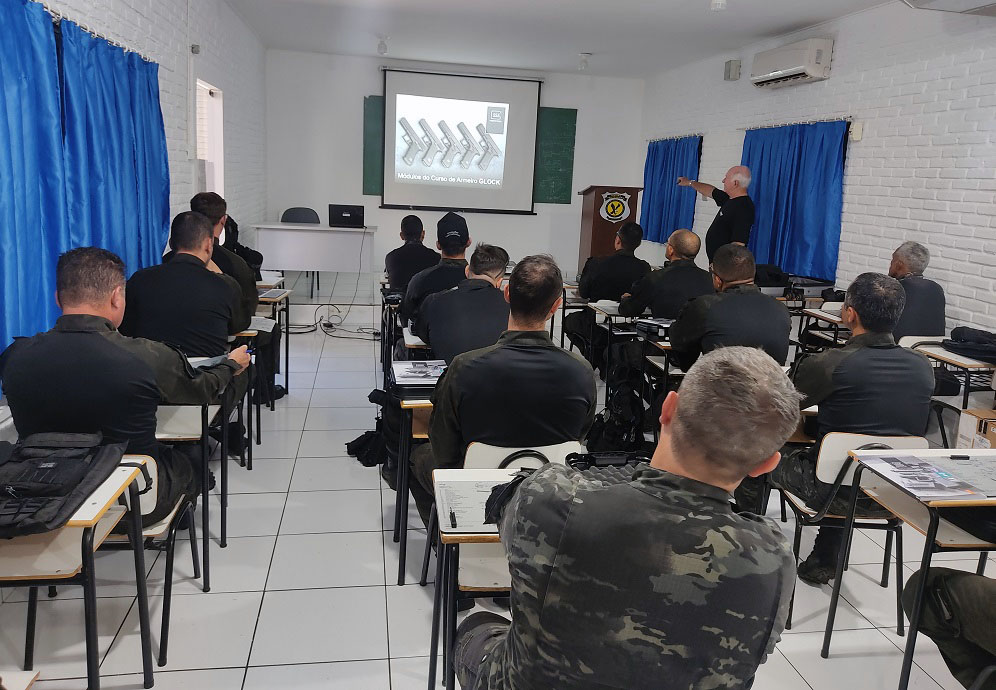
736	211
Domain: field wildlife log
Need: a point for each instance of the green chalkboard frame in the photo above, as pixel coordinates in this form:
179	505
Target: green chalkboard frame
556	129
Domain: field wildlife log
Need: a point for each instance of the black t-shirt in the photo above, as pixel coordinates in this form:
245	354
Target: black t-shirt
732	223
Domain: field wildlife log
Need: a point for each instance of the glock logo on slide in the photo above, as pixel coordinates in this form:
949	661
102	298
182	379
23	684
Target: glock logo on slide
465	147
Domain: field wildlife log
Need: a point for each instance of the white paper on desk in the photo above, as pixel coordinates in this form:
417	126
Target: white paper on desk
206	362
460	500
418	373
261	324
922	478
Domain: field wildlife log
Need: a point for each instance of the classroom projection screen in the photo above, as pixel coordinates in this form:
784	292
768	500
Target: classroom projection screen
459	142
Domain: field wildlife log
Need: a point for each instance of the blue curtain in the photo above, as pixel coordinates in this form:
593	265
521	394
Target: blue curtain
798	192
117	178
666	206
32	191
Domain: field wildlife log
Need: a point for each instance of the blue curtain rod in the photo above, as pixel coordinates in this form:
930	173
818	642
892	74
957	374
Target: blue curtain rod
677	136
57	17
839	118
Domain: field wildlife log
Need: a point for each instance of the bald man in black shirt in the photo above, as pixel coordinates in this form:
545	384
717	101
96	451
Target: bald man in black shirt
668	289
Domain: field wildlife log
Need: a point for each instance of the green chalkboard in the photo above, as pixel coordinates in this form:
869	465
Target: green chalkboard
555	131
373	145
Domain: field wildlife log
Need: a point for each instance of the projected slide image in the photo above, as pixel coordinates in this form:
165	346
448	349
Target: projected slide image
450	142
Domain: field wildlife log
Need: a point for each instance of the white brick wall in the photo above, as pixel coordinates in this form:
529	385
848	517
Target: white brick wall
231	58
923	84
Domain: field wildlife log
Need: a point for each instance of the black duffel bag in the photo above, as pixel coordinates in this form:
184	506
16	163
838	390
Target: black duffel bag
45	478
972	342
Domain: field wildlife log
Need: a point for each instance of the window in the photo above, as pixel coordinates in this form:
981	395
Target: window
210	169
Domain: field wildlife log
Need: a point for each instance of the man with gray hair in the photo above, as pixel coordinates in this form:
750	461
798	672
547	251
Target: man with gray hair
656	582
736	210
924	311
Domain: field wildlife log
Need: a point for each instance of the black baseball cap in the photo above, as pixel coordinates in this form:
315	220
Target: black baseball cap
452	226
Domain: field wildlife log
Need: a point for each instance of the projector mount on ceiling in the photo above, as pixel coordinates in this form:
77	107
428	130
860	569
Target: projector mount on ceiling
978	7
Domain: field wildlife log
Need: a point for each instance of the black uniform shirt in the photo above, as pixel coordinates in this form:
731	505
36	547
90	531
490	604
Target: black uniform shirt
869	386
183	304
83	376
407	260
231	264
667	290
924	310
470	316
448	273
522	391
609	277
731	224
740	316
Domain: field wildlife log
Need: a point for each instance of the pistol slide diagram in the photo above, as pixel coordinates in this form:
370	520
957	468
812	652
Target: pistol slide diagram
465	146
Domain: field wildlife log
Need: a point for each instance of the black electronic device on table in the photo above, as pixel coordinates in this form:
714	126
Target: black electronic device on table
345	216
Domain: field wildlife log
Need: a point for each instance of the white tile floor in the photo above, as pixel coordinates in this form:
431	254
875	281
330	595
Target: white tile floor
304	595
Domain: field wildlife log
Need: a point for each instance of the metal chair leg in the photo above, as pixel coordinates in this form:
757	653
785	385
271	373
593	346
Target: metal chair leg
90	613
195	558
939	411
29	636
796	545
983	557
167	595
430	538
888	558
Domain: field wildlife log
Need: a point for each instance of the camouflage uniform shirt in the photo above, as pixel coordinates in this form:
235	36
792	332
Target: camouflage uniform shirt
656	583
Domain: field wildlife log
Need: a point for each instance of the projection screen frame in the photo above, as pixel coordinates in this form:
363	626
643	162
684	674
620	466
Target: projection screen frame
418	207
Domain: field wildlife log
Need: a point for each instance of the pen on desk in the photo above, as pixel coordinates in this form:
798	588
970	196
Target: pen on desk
959	457
453	522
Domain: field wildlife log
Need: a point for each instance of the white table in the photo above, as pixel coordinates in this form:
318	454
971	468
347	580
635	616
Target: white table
313	247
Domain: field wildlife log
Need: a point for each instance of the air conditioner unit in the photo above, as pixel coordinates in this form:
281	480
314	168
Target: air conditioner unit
960	6
796	63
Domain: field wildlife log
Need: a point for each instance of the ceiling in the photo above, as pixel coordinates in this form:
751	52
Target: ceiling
626	37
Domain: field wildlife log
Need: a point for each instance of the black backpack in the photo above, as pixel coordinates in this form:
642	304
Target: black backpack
45	478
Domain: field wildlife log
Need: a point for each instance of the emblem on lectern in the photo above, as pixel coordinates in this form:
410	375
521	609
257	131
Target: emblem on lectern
615	206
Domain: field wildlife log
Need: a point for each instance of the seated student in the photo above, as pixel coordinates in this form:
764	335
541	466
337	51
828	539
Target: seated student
85	377
738	314
608	278
668	289
957	614
452	239
411	257
231	264
471	315
924	310
870	386
522	391
657	583
181	302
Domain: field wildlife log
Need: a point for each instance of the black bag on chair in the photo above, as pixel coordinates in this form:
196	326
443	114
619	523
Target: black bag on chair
45	478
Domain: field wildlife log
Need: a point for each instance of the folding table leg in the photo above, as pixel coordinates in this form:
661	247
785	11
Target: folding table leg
453	564
404	479
138	549
205	499
29	635
437	615
90	613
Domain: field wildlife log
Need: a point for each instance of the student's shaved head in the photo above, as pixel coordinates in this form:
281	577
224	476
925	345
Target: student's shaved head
685	243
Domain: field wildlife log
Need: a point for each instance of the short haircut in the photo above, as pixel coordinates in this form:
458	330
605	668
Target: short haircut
189	230
914	255
209	204
488	260
744	392
87	275
685	243
534	287
742	177
631	235
733	262
411	227
878	299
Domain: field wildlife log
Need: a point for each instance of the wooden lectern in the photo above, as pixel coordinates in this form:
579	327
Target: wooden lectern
603	211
